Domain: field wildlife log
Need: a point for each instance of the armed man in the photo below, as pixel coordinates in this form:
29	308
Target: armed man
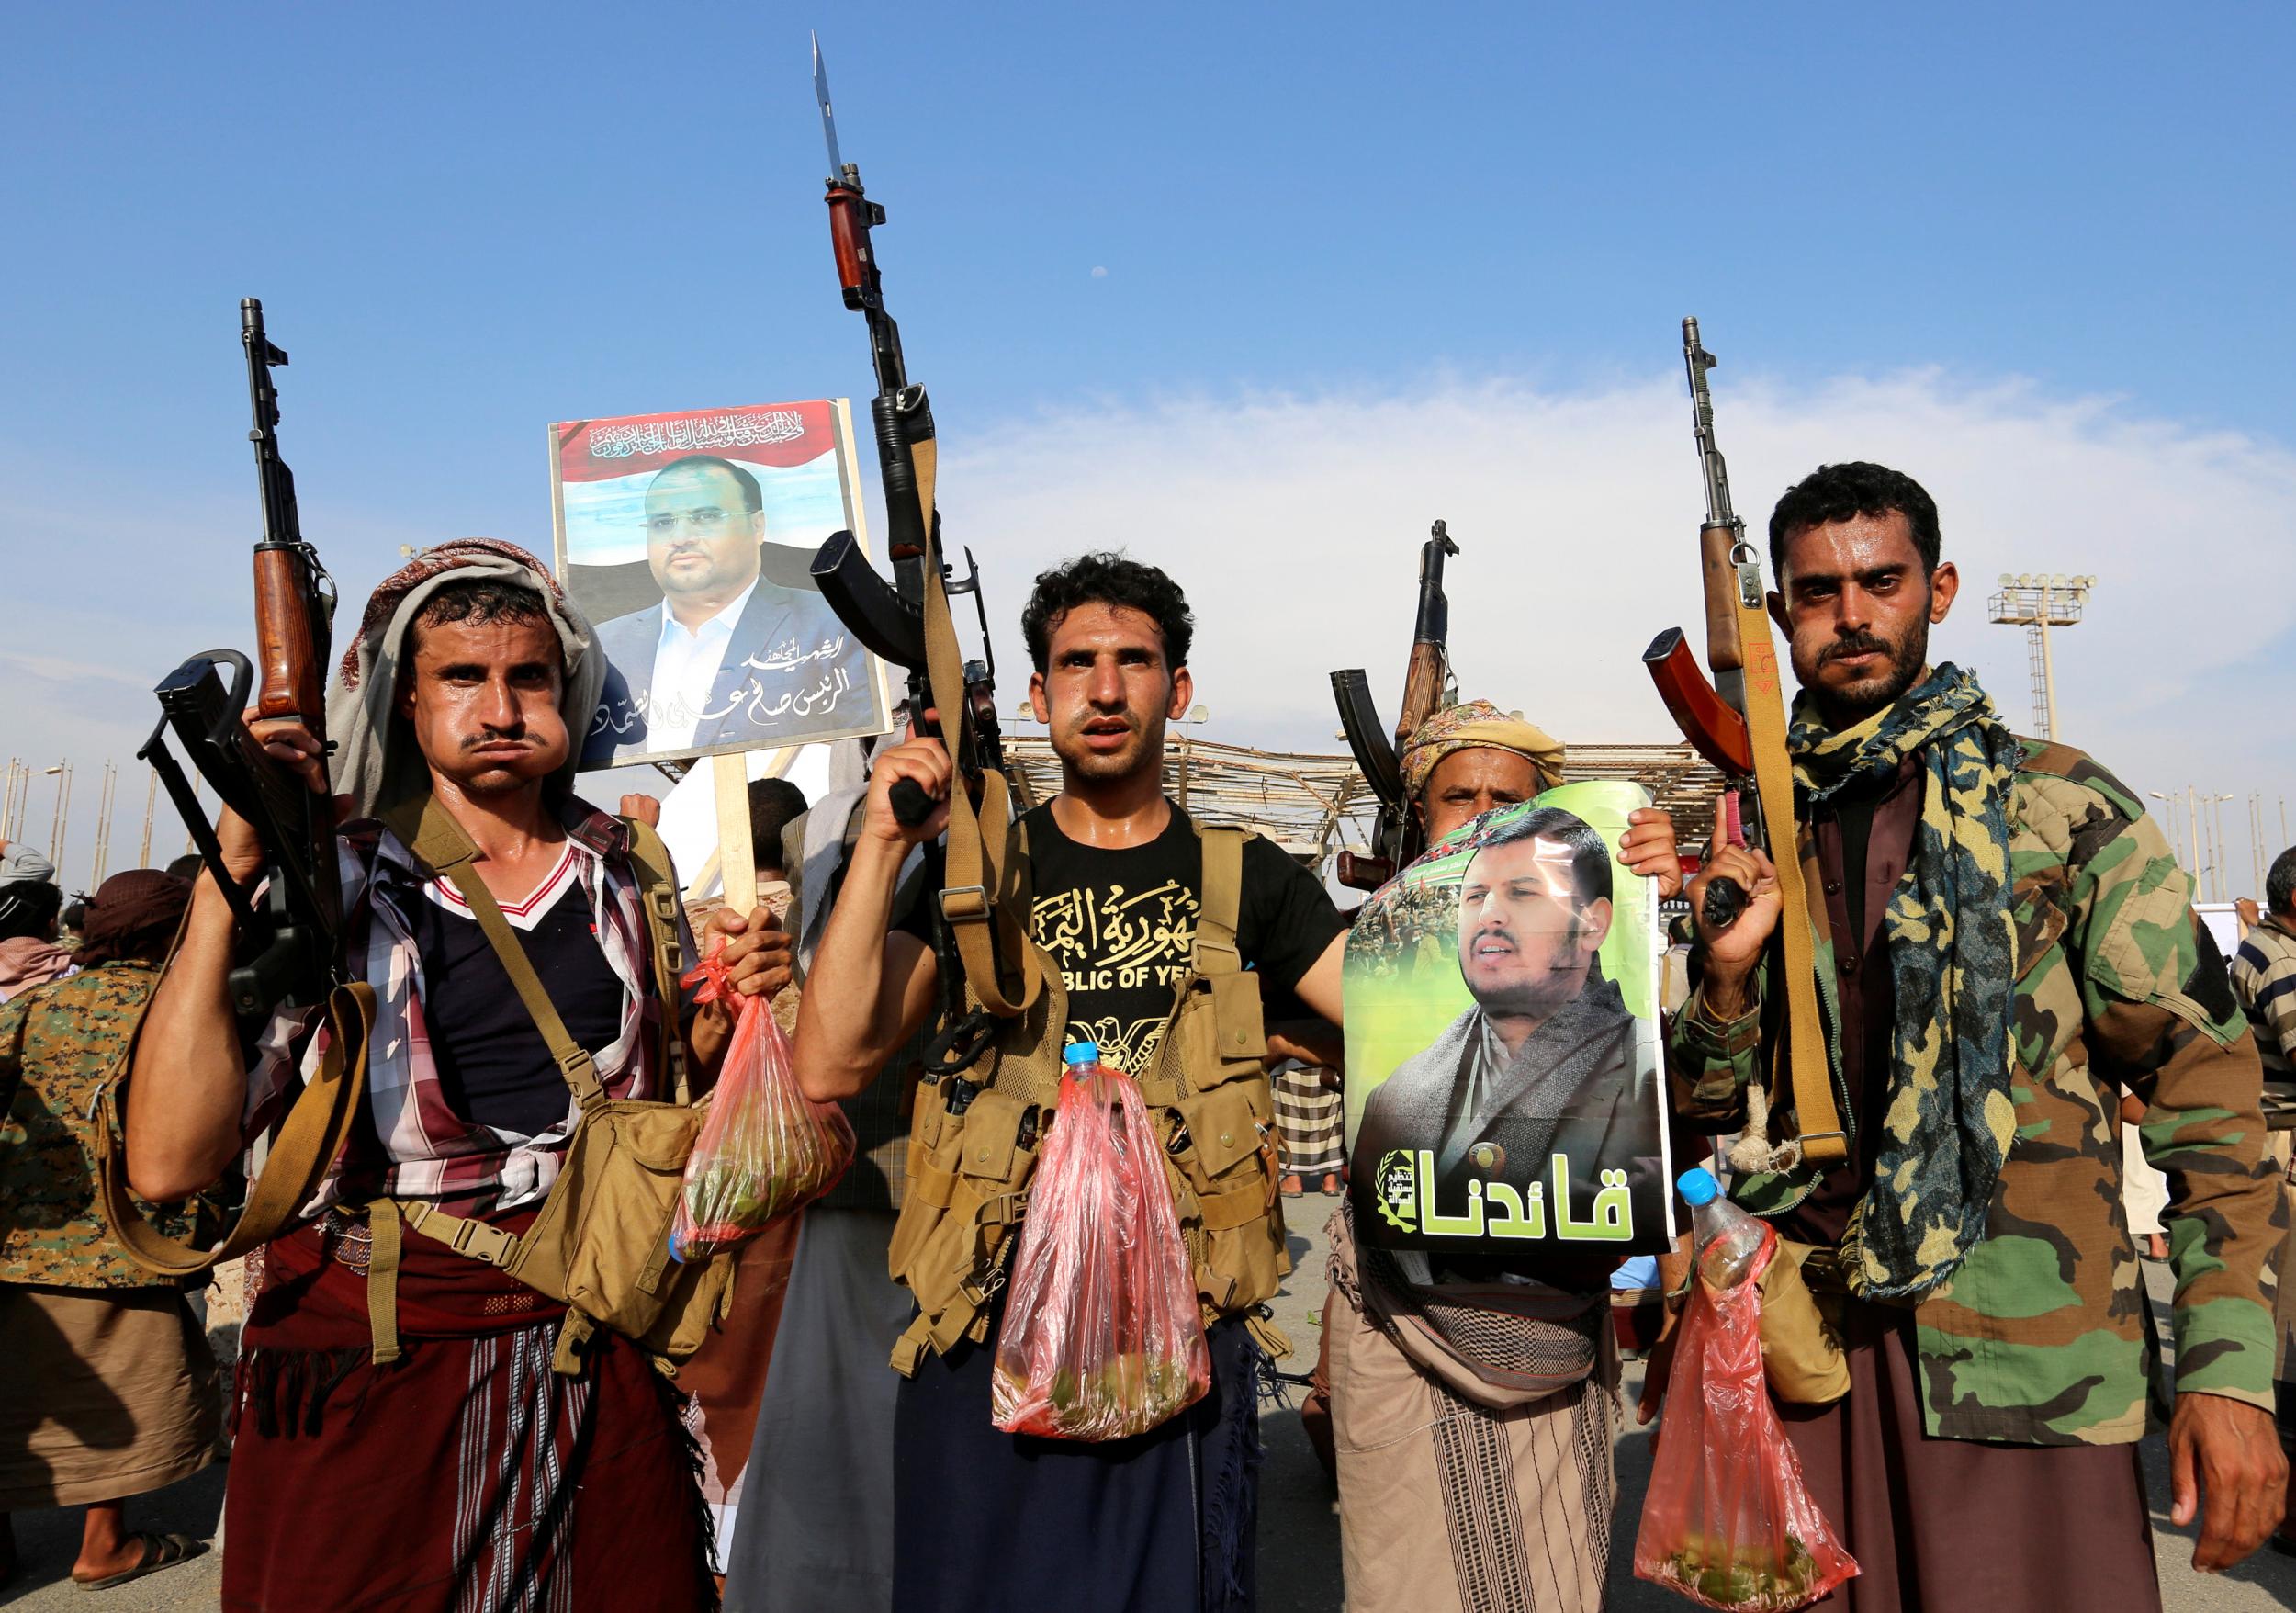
1149	926
1418	1531
2001	938
410	1435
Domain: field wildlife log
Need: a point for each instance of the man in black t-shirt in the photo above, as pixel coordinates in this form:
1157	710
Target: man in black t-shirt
983	1519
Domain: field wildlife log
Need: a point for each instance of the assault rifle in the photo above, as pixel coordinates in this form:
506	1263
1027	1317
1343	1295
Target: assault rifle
1738	723
907	624
1397	836
291	955
889	621
1713	716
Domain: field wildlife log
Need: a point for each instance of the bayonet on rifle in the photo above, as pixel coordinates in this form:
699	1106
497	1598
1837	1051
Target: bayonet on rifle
1427	684
892	621
828	118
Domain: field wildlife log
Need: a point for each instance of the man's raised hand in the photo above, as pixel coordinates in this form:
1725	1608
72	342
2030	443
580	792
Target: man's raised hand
925	762
1731	953
1647	849
284	739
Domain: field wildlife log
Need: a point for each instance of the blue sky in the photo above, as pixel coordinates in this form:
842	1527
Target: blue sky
468	221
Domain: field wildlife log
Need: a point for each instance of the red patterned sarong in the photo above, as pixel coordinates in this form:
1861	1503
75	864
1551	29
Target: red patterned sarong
466	1477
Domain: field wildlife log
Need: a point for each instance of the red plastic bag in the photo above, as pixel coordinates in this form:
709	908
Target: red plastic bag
1728	1520
1101	1337
766	1147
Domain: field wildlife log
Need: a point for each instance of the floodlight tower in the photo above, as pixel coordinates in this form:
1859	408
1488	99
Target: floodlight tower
2037	604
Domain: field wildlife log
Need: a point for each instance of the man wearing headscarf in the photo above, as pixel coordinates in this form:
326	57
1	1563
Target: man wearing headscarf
467	1473
111	1391
30	902
1472	1406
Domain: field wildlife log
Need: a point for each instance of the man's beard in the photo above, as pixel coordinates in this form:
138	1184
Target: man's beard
1846	706
1544	997
1104	765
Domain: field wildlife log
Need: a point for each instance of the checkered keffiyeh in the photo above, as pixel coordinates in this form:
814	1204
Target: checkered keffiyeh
368	766
1479	726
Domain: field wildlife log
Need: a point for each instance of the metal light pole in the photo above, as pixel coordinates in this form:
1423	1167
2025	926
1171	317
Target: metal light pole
1195	716
2216	822
150	793
19	775
2256	840
63	769
2037	604
2168	805
104	824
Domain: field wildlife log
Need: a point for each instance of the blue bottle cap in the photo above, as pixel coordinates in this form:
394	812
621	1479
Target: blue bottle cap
1077	1053
1698	1185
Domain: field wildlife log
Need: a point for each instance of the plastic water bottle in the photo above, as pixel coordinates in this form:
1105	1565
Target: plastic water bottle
1728	1241
1082	1059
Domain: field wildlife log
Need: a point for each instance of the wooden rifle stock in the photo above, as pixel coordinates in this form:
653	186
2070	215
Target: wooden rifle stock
1712	727
1423	691
292	684
1719	575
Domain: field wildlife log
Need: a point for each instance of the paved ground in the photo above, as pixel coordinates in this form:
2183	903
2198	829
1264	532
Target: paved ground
1299	1523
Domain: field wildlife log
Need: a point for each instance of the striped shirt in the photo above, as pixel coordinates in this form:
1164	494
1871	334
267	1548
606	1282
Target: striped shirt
417	1144
2264	980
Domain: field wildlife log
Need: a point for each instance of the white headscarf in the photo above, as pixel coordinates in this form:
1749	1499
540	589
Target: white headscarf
360	719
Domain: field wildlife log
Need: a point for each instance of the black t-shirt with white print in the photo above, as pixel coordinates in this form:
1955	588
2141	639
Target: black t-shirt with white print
494	1066
1121	923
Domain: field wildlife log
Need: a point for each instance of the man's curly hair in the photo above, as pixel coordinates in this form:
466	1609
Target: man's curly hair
1844	492
1107	580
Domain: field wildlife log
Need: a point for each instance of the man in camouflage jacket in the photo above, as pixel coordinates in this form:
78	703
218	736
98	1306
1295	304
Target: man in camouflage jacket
2002	940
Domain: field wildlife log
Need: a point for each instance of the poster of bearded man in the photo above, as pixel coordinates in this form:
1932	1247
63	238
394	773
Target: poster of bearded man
687	540
1505	1094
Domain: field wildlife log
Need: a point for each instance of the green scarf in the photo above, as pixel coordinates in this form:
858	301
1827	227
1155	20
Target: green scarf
1949	1120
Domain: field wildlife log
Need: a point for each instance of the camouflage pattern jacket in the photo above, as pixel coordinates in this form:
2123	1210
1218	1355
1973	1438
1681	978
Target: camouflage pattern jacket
2042	1336
59	1044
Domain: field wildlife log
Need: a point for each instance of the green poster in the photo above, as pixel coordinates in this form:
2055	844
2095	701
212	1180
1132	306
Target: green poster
1506	1093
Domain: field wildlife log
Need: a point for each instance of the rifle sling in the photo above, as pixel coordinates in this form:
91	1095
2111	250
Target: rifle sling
318	1123
981	896
307	1143
1804	1054
440	845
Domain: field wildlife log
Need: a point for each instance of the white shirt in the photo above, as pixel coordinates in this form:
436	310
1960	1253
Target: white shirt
685	666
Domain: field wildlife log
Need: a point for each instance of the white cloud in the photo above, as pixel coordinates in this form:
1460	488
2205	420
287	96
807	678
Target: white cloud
1294	522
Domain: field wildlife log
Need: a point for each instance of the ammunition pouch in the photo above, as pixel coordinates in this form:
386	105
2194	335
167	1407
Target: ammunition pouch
1207	1087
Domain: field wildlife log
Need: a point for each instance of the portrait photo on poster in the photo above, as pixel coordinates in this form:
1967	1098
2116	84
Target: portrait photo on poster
1505	1078
687	540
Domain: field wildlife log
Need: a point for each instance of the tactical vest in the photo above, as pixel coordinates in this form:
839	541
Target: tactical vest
975	1142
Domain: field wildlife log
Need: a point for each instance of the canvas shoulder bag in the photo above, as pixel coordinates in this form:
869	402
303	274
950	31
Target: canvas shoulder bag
601	1241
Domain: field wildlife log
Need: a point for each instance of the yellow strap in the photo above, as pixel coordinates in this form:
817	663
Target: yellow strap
931	1184
463	1234
1215	949
305	1147
909	1349
574	1333
1271	1338
658	899
440	843
1234	1207
984	895
382	1281
1822	1141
